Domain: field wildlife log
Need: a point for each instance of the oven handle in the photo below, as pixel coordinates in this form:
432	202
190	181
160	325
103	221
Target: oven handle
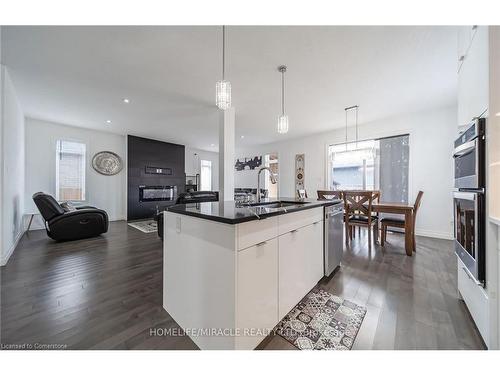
465	195
464	149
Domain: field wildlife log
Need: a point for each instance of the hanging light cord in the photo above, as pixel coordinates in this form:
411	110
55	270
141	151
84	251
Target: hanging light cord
346	128
356	107
357	126
282	92
223	50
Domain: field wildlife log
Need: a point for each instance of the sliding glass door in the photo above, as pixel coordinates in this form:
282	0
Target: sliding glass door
394	168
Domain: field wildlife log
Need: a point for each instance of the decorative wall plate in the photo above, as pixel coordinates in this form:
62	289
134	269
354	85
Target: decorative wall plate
299	172
107	163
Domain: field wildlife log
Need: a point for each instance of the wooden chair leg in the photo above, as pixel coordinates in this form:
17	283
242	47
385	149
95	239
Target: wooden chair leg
375	228
413	237
383	234
369	238
347	235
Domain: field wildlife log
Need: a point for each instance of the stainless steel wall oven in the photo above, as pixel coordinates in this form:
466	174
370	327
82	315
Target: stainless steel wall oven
469	200
470	232
468	155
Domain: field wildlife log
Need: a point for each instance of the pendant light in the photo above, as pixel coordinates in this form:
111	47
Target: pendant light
223	87
283	119
356	108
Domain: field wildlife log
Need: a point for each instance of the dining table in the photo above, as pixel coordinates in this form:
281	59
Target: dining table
400	209
397	208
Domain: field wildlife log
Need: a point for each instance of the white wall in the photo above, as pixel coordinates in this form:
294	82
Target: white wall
431	166
248	177
1	149
193	157
12	167
105	192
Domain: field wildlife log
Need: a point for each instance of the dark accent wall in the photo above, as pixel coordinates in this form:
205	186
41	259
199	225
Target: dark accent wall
142	153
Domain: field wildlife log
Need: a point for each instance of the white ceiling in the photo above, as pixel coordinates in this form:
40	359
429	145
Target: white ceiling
79	75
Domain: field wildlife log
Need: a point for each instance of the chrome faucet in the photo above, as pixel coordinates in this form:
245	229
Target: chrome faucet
272	176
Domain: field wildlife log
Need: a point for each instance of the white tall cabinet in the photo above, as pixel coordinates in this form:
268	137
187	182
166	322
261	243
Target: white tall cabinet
494	177
475	59
473	73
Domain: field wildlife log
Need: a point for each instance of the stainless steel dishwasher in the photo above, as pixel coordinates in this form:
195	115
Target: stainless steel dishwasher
333	237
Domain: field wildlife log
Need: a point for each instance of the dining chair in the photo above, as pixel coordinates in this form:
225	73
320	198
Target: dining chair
302	193
400	223
376	198
329	194
358	213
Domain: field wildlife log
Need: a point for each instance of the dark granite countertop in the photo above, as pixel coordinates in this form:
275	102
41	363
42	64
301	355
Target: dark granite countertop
230	213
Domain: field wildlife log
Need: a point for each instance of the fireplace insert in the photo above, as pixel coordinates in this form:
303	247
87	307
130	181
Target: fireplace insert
157	193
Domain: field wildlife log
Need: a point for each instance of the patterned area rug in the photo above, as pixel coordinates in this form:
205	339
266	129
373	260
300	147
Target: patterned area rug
322	321
146	226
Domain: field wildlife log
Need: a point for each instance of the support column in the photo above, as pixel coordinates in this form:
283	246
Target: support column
226	155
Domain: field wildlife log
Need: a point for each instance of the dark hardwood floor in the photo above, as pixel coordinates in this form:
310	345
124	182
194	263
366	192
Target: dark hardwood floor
99	293
106	293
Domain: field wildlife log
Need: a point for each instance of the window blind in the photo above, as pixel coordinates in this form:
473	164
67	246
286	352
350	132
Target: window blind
70	171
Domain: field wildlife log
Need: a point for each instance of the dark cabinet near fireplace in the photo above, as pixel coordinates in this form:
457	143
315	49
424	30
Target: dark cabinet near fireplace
156	176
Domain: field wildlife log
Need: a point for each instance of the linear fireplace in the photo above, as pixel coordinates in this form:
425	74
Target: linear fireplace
157	193
155	176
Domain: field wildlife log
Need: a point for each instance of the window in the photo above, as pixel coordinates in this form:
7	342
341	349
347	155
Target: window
70	171
271	161
206	175
352	166
378	164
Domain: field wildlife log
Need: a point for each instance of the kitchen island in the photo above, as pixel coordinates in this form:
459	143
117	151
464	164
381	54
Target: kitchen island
231	273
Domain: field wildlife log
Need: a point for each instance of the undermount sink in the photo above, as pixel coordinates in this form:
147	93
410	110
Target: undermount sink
276	204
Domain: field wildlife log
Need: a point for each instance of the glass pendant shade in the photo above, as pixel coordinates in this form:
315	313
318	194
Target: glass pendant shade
223	94
283	124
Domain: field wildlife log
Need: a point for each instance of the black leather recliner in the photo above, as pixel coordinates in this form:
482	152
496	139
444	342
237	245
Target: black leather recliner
64	225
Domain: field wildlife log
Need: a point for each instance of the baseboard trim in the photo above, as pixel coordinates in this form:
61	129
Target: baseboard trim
5	258
434	234
121	218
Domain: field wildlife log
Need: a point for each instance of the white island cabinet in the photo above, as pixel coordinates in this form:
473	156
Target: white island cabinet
228	285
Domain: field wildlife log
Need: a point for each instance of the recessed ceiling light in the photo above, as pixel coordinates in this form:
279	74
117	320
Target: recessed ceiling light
242	136
125	100
108	121
212	145
497	114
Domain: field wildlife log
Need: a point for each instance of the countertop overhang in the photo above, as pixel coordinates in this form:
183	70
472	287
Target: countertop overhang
229	212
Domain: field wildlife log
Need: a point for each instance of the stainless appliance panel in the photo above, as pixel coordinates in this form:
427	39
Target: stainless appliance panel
469	232
333	238
468	157
466	167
